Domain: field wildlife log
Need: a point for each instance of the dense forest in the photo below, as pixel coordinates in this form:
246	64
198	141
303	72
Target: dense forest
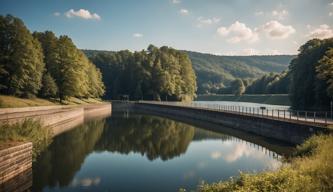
41	64
215	74
153	74
312	75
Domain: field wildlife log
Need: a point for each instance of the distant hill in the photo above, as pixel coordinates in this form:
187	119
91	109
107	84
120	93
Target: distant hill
214	70
221	70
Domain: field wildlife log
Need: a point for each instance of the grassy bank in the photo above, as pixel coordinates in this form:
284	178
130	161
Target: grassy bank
28	130
310	170
11	101
278	99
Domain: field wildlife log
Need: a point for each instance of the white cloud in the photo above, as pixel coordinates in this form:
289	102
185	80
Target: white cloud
207	21
252	51
215	155
280	14
82	13
137	35
57	14
184	12
258	13
322	32
86	182
238	32
176	1
276	30
330	14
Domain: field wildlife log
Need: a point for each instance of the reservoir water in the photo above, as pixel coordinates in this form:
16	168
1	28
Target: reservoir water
133	152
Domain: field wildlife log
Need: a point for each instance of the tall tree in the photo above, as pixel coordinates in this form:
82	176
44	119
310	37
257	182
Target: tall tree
49	87
157	73
307	90
238	87
324	70
21	59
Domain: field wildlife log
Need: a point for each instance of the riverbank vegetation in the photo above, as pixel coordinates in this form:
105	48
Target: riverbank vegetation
153	74
310	170
43	65
27	131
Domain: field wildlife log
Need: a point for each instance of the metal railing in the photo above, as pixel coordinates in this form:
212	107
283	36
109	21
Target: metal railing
314	117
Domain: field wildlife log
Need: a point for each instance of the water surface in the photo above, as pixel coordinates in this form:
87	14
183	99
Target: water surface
245	104
143	153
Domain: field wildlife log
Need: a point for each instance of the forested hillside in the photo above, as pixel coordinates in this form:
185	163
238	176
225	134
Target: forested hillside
156	73
216	72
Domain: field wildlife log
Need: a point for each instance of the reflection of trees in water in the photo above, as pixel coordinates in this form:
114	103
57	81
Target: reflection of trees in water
201	134
151	136
58	164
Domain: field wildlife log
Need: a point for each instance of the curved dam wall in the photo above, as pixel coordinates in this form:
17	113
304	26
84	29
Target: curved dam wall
290	132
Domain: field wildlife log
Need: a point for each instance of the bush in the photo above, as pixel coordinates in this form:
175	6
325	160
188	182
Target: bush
27	130
310	170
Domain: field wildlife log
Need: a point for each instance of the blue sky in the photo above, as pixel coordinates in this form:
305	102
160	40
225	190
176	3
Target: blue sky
227	27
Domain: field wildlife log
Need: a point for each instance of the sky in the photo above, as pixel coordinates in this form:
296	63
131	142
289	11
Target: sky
223	27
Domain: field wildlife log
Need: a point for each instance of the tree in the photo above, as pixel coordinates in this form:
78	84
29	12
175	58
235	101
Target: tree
308	90
49	87
21	59
157	73
324	70
238	87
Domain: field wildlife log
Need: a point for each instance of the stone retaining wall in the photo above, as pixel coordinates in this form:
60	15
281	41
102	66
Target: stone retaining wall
15	159
59	118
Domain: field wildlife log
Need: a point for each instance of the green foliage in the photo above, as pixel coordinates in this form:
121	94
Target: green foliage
44	64
21	59
158	73
49	87
237	87
310	75
312	171
270	84
27	130
324	70
217	72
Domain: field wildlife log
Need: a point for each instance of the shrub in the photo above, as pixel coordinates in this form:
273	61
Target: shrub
310	170
27	130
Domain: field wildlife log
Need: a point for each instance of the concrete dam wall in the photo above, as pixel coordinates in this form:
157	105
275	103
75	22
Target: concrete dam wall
290	132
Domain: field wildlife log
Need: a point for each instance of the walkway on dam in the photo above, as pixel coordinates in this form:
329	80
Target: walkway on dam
317	118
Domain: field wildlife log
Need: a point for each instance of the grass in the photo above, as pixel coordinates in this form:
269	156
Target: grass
311	169
27	130
276	99
11	101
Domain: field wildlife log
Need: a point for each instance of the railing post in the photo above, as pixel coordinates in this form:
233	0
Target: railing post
314	117
326	118
284	114
306	115
278	114
297	115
